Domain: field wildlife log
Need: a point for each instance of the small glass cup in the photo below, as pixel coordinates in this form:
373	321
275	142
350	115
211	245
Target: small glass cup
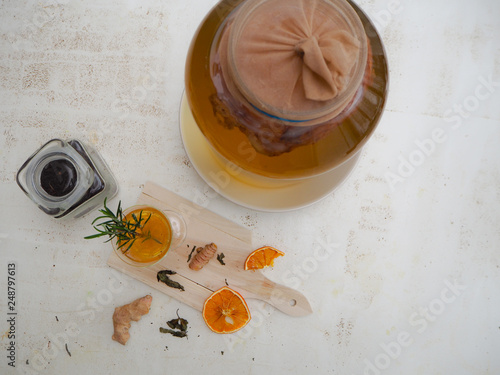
162	231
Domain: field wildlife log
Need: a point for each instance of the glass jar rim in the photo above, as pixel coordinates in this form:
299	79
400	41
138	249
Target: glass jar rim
38	170
32	168
331	107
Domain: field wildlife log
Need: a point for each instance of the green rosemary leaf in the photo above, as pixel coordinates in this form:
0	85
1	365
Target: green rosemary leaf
118	210
99	218
95	235
116	227
125	243
156	240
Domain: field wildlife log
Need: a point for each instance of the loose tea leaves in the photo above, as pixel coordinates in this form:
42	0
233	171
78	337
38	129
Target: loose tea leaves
178	327
173	333
67	350
220	258
191	253
167	272
178	323
163	277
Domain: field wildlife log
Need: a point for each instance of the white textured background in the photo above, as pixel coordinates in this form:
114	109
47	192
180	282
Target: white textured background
111	74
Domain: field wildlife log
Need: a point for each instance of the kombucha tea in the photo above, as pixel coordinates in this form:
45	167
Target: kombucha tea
299	151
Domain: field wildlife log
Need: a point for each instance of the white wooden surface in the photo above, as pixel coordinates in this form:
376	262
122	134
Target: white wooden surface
401	264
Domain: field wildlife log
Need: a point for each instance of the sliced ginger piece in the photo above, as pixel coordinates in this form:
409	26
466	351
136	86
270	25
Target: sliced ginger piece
123	315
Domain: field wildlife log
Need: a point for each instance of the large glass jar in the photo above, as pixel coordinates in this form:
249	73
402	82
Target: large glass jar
261	131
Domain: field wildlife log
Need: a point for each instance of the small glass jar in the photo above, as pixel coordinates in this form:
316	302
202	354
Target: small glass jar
66	179
275	140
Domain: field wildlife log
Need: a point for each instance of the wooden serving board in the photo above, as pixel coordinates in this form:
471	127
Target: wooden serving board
235	241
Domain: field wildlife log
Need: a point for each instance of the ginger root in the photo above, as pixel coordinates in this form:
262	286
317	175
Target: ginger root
124	314
203	256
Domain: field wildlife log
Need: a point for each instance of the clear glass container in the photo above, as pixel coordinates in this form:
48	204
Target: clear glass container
168	226
268	139
66	179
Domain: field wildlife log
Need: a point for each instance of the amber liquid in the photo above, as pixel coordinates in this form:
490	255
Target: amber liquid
342	140
153	239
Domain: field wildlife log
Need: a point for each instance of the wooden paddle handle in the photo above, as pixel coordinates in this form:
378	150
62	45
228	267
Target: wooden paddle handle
289	301
285	299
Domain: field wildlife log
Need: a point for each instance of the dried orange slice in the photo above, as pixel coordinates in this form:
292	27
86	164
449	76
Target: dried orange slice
262	257
225	311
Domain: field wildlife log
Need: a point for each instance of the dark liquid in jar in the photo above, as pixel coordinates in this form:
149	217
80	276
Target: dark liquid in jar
58	177
217	115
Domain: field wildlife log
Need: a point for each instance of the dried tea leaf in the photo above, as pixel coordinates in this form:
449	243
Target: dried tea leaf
178	326
167	272
172	323
178	323
220	258
163	277
191	254
183	323
173	333
173	284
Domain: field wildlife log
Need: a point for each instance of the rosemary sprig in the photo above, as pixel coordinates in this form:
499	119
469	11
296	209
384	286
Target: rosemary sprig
125	231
